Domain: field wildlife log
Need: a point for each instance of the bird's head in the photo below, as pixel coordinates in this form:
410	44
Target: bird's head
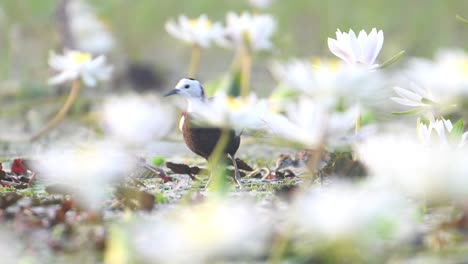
189	88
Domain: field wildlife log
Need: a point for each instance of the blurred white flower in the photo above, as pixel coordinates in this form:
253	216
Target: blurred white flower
330	80
133	119
204	233
311	123
446	77
428	173
249	31
261	4
88	32
74	64
233	112
200	31
444	136
87	171
351	214
362	49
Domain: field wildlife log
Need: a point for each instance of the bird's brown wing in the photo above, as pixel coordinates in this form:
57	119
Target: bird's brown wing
202	140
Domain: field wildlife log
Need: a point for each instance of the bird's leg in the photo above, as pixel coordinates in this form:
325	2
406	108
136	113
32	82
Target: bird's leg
236	171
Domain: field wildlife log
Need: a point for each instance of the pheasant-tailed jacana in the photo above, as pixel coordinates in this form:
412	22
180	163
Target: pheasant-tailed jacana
203	140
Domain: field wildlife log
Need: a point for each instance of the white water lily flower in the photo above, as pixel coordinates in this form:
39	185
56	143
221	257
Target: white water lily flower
249	31
88	32
443	136
74	65
200	31
330	80
133	119
86	171
261	4
446	77
311	124
206	232
362	49
224	111
429	173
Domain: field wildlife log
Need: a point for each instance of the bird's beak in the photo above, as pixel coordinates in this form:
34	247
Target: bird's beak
171	92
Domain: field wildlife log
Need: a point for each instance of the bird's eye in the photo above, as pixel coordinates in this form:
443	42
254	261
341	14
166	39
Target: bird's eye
186	86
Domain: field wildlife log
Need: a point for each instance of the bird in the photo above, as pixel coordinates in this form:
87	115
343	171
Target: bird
203	140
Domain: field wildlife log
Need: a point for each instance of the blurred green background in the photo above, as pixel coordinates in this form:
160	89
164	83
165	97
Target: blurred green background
28	30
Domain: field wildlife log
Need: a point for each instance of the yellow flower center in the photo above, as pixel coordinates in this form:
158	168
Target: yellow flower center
234	103
195	23
80	57
332	66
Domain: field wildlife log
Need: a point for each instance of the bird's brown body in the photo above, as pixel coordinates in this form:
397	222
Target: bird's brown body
203	140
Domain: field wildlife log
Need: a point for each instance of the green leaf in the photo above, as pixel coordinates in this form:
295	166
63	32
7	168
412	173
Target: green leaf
211	87
284	92
160	198
427	101
461	19
410	112
457	130
368	117
158	161
234	87
392	60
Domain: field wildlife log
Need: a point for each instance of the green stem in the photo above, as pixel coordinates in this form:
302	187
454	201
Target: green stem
357	123
215	161
357	128
74	92
246	69
194	61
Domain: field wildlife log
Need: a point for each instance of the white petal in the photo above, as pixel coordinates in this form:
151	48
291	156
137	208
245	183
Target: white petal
405	102
380	42
463	140
334	48
354	45
448	124
63	77
407	94
88	80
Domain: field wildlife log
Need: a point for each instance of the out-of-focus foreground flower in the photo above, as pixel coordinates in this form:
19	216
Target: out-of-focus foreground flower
73	65
248	31
10	248
311	123
133	119
203	233
230	112
362	49
200	31
344	216
330	81
431	173
86	171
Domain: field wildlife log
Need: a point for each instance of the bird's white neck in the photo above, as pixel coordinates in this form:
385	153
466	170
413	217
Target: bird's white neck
193	100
